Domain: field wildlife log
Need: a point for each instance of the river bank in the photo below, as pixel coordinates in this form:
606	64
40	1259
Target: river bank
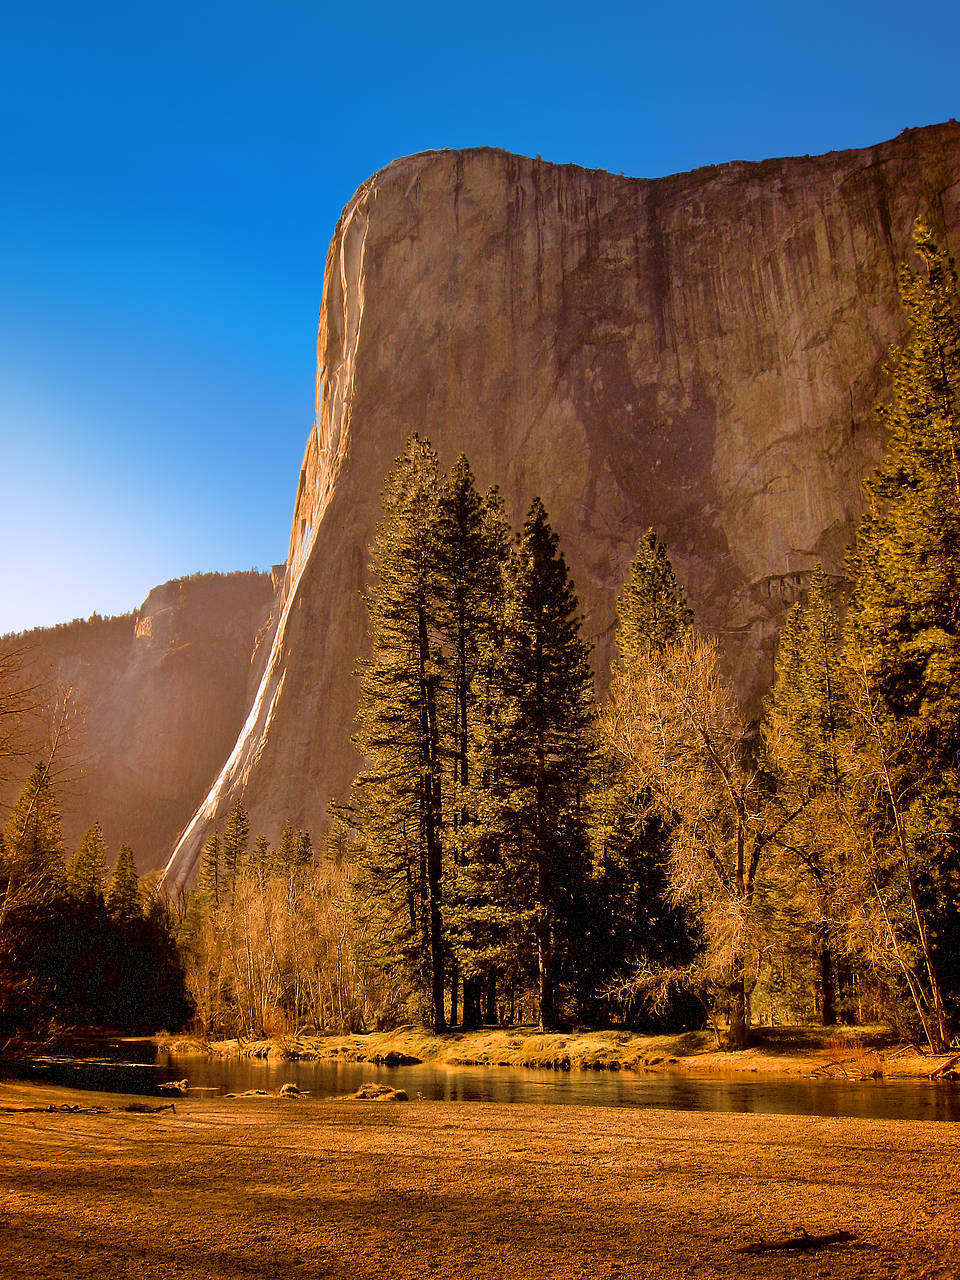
220	1189
853	1053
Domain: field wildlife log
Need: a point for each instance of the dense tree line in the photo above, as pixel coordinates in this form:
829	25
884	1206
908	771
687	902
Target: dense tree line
78	948
268	944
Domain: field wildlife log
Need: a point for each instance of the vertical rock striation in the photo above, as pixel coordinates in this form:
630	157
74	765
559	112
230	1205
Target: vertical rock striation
699	352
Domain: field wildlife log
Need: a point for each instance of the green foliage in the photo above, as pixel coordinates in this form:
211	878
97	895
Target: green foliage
87	868
652	609
33	867
123	901
639	929
233	847
525	863
905	612
807	735
64	954
210	877
397	799
903	628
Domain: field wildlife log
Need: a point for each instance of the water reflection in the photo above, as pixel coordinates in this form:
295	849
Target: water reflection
892	1100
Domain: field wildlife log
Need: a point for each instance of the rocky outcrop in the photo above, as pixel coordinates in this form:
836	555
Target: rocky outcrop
699	352
158	698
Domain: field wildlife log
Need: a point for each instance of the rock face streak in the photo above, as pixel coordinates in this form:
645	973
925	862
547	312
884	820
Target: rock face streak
700	353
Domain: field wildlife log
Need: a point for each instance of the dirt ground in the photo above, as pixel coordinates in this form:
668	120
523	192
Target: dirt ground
267	1188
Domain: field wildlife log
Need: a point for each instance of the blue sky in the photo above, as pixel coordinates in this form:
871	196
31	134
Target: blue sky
170	176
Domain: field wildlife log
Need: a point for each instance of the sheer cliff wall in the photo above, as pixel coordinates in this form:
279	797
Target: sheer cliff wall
700	353
156	701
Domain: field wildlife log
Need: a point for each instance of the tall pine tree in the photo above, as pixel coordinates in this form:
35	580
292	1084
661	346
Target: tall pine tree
233	846
640	933
87	868
806	734
472	543
528	851
123	900
903	627
398	797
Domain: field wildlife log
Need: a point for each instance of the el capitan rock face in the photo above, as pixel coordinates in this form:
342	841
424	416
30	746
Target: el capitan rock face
159	697
700	353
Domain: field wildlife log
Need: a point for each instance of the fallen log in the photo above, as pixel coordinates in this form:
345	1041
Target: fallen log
802	1241
61	1108
944	1068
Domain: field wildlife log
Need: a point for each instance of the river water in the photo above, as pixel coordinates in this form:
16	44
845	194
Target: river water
673	1090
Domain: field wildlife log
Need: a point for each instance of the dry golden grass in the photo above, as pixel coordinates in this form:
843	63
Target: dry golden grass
221	1190
788	1051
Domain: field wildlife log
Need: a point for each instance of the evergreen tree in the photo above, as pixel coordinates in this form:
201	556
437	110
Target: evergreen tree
33	867
903	633
287	848
397	798
303	854
209	879
471	549
652	609
806	734
123	892
262	860
639	932
233	847
87	868
528	846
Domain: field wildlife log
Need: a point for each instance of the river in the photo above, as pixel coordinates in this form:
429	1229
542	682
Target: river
674	1090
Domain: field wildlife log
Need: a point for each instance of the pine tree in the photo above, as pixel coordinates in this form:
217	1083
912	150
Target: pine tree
287	848
123	892
87	868
528	846
806	735
652	609
471	548
640	933
262	859
903	632
233	848
397	798
303	849
209	880
35	918
33	867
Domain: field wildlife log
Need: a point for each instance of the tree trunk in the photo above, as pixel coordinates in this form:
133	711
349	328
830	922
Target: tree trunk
737	1037
548	1013
454	992
431	798
471	1002
828	1007
490	1015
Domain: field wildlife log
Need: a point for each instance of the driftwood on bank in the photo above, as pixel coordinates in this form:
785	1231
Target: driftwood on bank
802	1241
60	1108
74	1109
946	1070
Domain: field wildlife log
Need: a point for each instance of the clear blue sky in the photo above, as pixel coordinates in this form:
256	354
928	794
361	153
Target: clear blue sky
170	176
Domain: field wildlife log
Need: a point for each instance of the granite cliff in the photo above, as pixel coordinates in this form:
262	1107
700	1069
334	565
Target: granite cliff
699	352
157	699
